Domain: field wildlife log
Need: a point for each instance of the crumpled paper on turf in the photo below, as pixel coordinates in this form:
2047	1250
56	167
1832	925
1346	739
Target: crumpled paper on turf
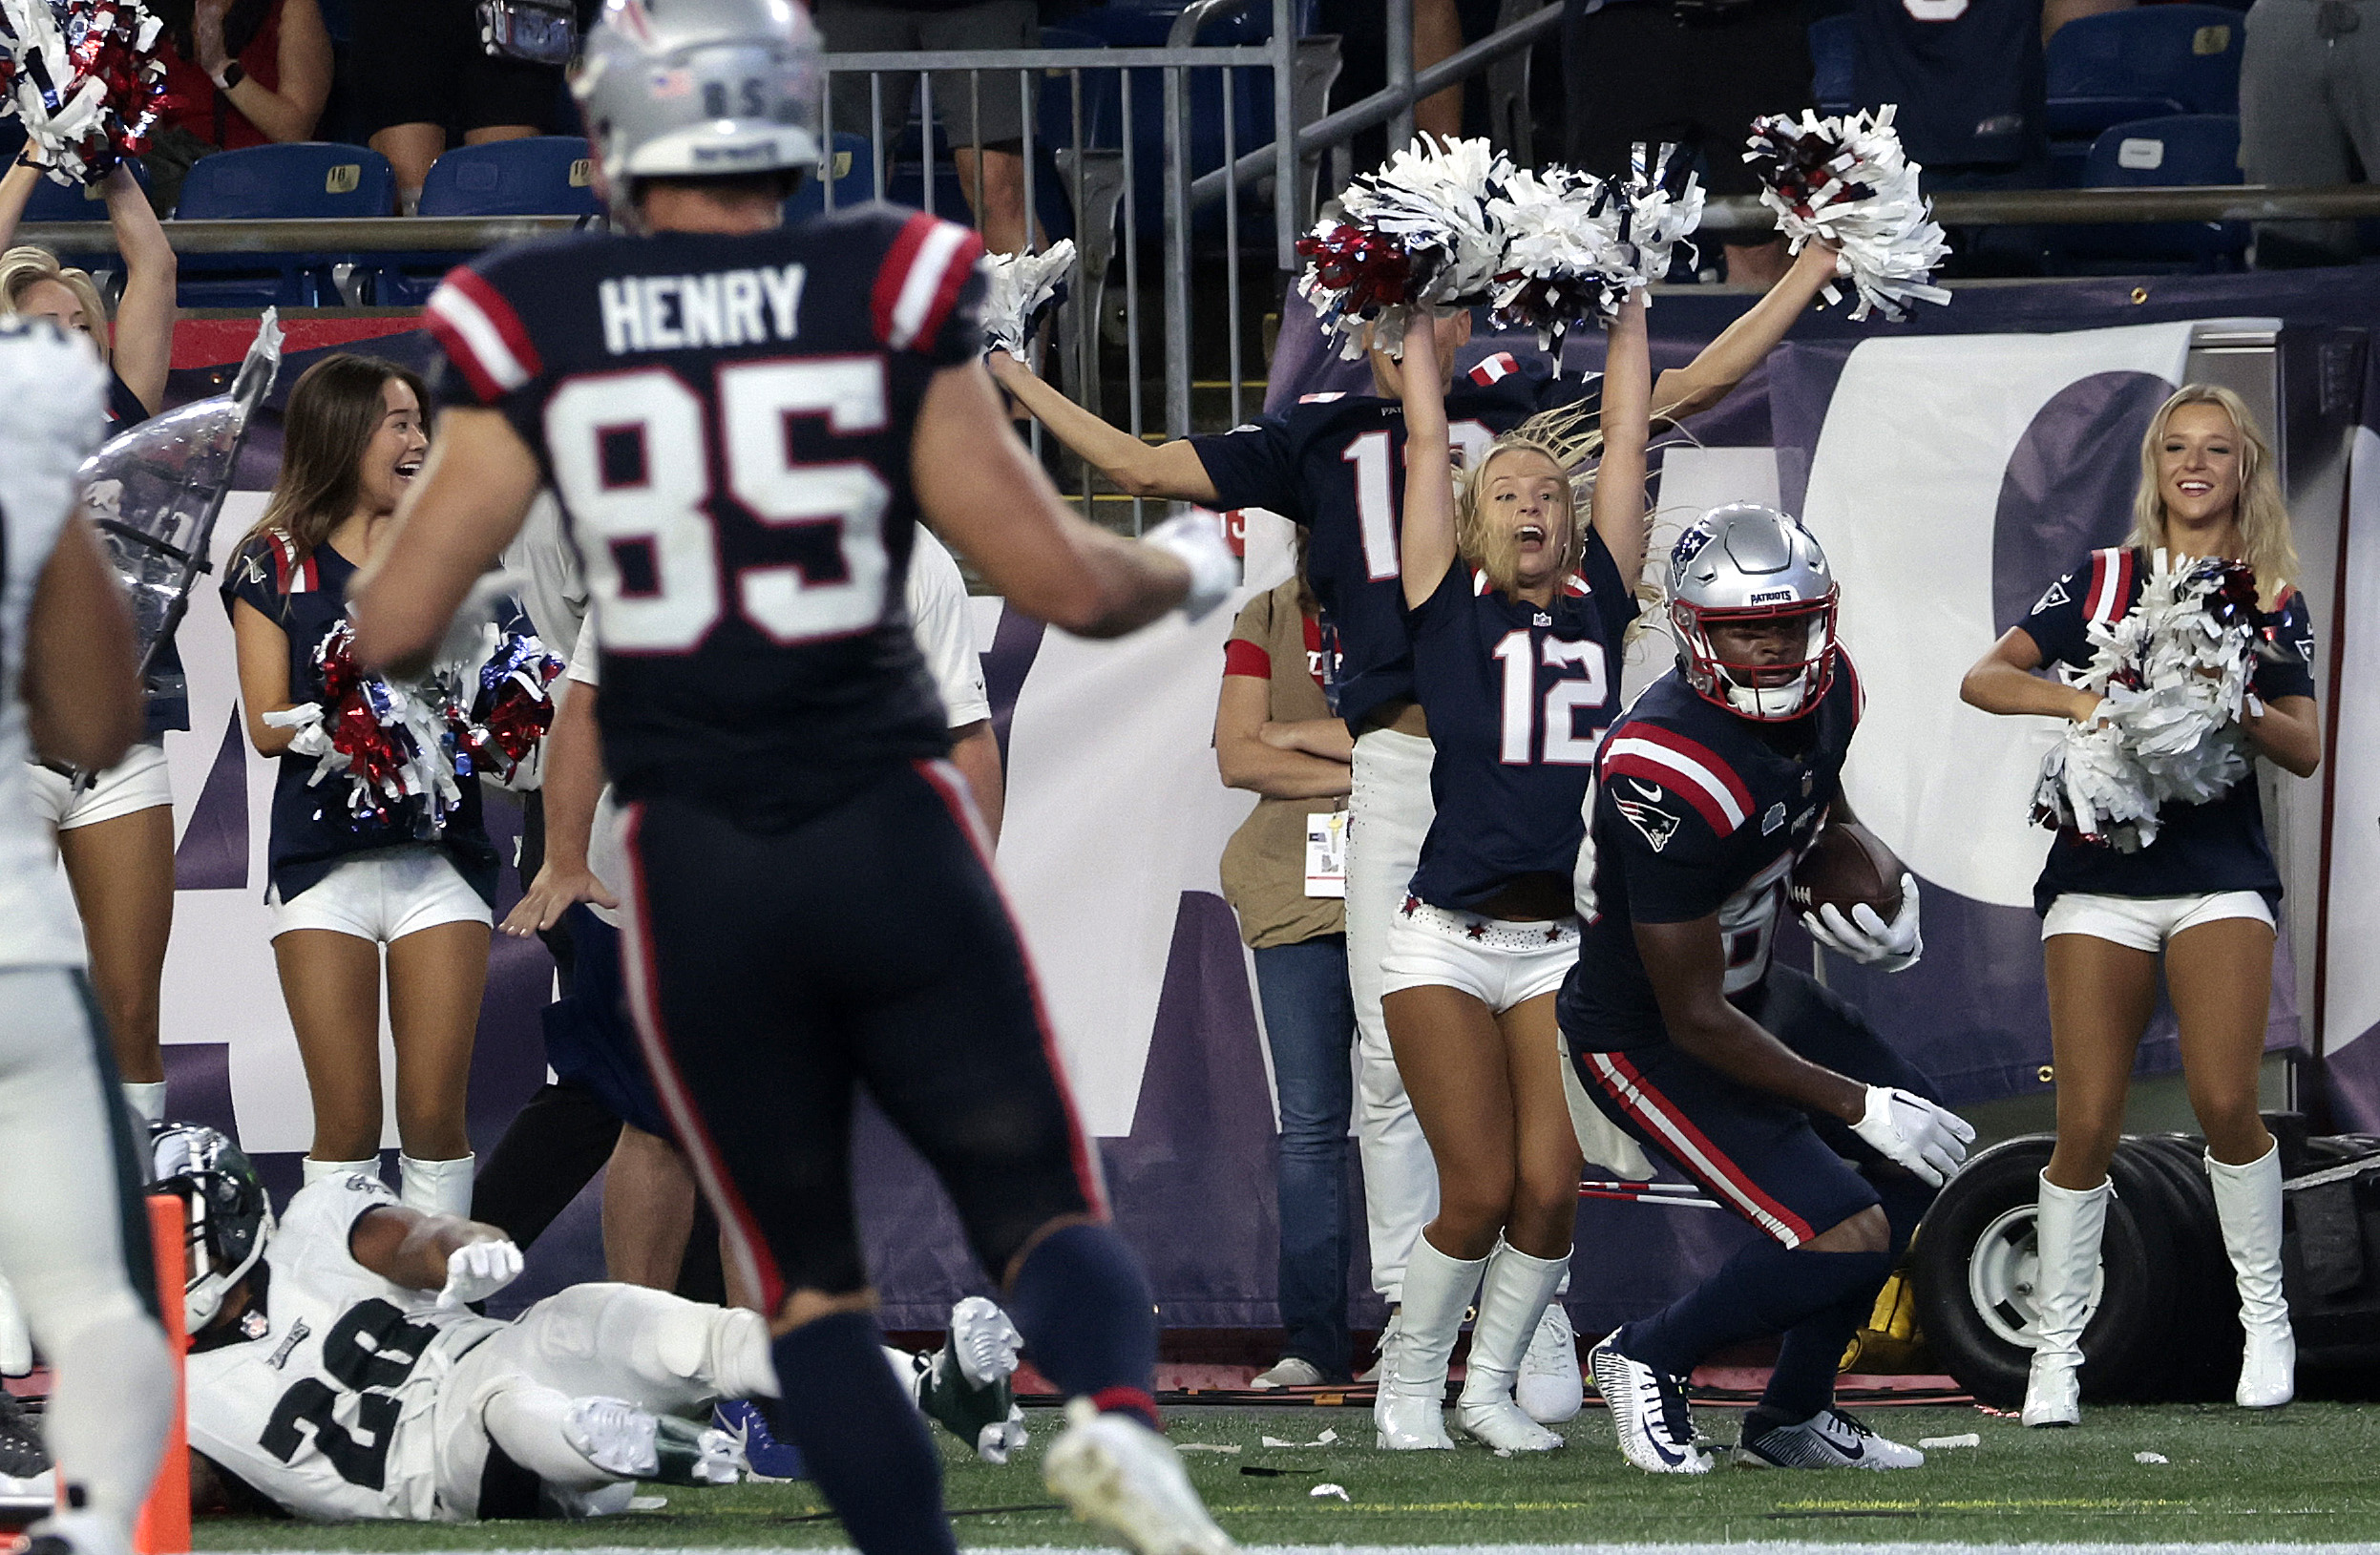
84	78
1576	246
1020	289
2172	674
1849	182
1415	233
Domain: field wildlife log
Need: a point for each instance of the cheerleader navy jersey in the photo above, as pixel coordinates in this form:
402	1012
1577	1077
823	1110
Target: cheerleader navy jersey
2199	849
1335	465
1695	811
726	420
50	398
1517	696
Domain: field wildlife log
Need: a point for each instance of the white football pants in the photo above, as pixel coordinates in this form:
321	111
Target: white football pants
1389	812
660	1353
74	1241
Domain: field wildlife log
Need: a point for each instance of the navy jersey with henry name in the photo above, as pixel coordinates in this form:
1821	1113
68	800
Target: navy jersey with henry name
1335	465
726	420
1697	811
2199	849
1517	697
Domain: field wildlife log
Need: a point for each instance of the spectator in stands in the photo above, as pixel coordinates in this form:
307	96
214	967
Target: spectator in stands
2309	113
238	74
1275	734
1692	73
116	834
342	887
424	79
982	114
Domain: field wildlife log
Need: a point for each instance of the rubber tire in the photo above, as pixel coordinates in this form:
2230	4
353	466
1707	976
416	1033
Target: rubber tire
2126	1346
2208	1340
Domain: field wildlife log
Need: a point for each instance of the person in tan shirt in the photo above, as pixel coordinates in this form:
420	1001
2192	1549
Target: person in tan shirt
1275	734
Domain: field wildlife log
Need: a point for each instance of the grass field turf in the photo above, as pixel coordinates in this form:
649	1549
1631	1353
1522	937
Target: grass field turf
2306	1474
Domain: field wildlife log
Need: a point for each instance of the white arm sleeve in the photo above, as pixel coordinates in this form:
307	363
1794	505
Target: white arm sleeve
945	631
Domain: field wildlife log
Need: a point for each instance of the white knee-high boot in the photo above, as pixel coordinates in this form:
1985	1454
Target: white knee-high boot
1511	1299
436	1188
2068	1233
1410	1413
2247	1202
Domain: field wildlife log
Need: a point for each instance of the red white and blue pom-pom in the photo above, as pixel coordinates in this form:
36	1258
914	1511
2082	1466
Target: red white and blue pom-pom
511	708
1416	233
84	78
391	745
1020	289
1576	246
1848	183
2172	675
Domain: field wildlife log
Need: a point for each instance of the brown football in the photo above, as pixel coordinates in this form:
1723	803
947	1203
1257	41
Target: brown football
1847	865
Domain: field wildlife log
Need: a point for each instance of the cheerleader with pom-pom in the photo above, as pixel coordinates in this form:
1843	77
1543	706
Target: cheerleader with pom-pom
375	841
2162	848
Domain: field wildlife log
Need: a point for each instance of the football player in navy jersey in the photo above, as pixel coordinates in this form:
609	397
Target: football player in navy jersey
1335	465
743	422
1773	1095
2204	894
1516	611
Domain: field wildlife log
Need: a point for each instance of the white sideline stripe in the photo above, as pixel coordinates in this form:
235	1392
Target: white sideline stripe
487	345
922	281
1685	766
1634	1100
1779	1546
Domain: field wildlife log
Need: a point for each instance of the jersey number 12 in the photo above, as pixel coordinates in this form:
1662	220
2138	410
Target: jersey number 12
634	455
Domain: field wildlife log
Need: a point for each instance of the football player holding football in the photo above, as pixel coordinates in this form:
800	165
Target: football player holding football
1773	1094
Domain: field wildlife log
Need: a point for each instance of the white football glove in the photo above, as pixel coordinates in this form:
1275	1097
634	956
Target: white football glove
477	1271
1904	1127
1197	539
1865	938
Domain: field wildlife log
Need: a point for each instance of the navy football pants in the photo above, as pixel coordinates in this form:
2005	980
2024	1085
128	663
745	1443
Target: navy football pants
774	974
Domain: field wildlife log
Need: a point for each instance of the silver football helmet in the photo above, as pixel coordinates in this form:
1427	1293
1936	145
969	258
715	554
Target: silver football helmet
695	88
1741	564
230	1218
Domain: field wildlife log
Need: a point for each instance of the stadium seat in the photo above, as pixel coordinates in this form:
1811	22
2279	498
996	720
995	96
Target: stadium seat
547	175
264	183
2176	150
2150	60
1833	42
854	177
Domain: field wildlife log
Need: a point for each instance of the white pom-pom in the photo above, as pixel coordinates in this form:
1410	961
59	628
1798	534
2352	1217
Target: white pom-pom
1848	183
84	78
1654	221
1416	233
2172	675
1019	290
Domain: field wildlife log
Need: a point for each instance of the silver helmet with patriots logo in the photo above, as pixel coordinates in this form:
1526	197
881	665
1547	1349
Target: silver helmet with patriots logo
1743	564
699	87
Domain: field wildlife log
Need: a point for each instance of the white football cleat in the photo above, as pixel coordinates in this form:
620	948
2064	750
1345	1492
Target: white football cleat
1117	1474
1288	1371
984	1340
617	1437
1552	1389
1650	1414
1829	1439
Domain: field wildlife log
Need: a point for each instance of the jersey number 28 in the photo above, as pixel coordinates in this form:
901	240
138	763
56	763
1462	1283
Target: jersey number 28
634	455
370	1349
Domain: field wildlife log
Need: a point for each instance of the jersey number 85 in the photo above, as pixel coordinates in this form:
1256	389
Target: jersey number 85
633	458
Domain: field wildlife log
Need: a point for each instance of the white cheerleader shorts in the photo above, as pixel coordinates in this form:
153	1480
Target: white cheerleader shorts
140	781
2146	923
1498	962
383	895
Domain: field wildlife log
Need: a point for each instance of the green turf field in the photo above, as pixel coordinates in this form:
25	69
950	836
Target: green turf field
2309	1473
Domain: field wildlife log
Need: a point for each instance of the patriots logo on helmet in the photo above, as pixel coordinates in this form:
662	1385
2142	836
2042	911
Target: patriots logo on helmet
1690	541
1657	824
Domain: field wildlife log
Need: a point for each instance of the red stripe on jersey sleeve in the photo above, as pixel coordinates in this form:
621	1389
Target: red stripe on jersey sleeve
1501	365
508	325
1699	755
955	273
894	273
458	351
1241	657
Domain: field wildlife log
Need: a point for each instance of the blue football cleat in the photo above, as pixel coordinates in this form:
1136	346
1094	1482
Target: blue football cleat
765	1457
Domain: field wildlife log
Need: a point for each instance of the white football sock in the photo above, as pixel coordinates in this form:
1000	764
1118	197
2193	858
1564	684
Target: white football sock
147	1097
314	1172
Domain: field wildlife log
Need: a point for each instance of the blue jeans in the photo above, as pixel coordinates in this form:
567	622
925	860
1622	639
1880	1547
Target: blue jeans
1310	1018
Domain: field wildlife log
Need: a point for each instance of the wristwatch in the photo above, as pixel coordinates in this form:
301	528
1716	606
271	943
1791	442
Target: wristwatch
231	77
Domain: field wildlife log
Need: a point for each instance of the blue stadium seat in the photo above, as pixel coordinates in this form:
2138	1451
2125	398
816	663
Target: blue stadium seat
1833	41
2179	150
264	183
546	175
854	177
2150	60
